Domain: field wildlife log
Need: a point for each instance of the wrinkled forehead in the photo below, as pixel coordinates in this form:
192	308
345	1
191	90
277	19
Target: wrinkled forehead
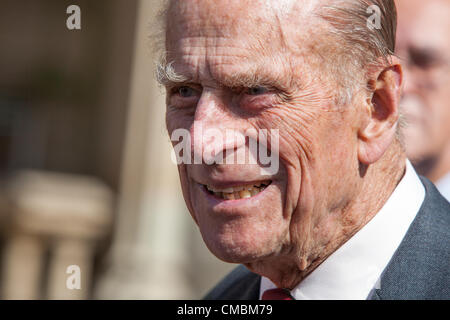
241	20
233	10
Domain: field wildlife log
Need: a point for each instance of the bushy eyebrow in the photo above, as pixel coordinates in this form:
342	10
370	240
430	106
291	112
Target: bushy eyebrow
167	76
247	80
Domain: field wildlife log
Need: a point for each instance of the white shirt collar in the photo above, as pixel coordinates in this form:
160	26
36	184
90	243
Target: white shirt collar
354	270
443	185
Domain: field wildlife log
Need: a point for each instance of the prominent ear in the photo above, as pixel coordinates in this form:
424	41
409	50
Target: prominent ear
382	105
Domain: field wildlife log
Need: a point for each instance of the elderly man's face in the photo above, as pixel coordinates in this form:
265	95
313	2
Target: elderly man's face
423	41
250	66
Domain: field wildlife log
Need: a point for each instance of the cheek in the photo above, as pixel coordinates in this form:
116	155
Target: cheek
295	129
440	107
315	146
299	133
179	119
186	190
304	134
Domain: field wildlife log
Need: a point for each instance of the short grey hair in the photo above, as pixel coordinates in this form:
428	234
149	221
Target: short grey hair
357	46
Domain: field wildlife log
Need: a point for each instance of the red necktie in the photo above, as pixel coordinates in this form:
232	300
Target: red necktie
276	294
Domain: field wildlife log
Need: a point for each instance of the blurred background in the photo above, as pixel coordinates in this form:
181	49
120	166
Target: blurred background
85	171
86	178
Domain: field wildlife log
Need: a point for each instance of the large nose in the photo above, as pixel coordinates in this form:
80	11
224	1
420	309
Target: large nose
410	72
216	131
411	84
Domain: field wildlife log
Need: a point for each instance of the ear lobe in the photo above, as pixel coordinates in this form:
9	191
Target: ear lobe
378	133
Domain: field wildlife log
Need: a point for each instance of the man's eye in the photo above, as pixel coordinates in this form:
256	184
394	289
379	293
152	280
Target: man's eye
186	92
423	58
257	90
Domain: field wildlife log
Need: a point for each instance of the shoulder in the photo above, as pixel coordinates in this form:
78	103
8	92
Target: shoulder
240	284
432	224
419	268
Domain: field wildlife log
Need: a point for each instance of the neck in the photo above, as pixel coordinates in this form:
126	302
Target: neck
376	185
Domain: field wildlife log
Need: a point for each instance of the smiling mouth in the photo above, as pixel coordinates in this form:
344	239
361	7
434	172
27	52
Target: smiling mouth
238	192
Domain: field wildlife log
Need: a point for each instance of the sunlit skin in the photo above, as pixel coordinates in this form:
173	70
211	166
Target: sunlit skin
423	42
249	66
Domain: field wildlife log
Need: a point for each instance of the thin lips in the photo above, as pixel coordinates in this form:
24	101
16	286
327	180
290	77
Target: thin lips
238	188
224	185
236	195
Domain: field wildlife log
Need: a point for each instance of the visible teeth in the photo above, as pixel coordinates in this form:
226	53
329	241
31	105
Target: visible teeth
238	188
239	192
244	194
228	196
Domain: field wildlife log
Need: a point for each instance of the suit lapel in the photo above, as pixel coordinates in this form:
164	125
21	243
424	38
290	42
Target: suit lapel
419	266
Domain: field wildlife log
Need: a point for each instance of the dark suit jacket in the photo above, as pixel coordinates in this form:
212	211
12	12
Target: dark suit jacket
419	269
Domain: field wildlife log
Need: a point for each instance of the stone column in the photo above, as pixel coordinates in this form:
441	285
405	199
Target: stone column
62	214
23	267
148	257
71	262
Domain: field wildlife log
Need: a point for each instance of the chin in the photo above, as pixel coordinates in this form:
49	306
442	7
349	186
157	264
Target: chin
240	217
241	245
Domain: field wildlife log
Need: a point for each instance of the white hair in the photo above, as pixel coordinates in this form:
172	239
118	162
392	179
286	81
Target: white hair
165	73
